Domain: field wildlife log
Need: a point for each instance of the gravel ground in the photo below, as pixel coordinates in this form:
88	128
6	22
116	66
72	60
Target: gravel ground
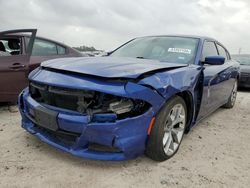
214	154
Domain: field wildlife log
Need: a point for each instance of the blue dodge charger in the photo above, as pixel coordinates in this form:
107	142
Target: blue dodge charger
140	98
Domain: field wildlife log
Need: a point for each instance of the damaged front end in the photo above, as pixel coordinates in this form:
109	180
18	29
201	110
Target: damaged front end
88	102
94	118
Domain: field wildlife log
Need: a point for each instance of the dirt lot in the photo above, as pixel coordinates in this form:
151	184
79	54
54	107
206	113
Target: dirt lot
216	153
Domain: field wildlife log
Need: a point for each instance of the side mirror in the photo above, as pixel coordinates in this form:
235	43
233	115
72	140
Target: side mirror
214	60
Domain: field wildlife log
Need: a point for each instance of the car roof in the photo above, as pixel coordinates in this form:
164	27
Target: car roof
185	36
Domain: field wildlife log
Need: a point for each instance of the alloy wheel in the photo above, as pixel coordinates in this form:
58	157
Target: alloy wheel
174	129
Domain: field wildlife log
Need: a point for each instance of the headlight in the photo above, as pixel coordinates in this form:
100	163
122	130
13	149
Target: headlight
121	106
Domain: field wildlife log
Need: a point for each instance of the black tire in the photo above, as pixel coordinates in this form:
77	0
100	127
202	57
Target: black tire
231	100
155	146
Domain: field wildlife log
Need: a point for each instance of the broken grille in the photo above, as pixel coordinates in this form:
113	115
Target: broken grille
86	101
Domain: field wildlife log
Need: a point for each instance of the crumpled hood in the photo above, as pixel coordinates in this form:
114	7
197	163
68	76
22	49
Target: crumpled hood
109	67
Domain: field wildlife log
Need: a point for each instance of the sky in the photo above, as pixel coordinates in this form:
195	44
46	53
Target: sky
106	24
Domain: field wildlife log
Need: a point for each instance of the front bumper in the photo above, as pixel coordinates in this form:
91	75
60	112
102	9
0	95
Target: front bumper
127	137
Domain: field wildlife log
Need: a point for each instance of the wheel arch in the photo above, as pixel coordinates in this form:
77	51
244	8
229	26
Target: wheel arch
188	98
238	77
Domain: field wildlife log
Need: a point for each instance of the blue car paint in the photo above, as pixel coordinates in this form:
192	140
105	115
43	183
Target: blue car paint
217	86
130	134
215	60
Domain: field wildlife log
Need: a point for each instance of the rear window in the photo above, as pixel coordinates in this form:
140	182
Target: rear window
222	51
61	50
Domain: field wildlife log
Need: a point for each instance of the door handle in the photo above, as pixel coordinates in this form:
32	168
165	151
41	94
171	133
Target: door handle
16	66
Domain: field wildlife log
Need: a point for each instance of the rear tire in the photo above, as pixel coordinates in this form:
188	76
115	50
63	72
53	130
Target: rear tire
231	100
168	129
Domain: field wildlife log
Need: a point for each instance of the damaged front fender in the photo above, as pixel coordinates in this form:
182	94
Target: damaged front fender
149	95
175	81
184	82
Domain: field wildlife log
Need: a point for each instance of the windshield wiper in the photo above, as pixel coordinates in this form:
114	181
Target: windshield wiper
140	57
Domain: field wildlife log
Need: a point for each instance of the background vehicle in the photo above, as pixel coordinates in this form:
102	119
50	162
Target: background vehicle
244	60
140	98
21	52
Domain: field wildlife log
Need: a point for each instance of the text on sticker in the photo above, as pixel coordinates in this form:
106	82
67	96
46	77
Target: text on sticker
180	50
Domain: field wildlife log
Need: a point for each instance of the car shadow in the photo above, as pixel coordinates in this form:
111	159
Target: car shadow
3	104
7	107
244	90
4	107
51	152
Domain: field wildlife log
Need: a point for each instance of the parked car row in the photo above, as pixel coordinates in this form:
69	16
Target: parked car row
140	98
244	60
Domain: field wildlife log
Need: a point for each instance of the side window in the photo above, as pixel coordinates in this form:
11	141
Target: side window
61	50
228	55
209	49
10	46
44	48
222	51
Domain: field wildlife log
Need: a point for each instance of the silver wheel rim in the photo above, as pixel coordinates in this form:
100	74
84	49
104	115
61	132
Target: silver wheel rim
234	93
174	129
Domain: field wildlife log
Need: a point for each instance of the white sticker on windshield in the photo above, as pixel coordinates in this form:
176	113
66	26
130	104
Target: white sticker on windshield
180	50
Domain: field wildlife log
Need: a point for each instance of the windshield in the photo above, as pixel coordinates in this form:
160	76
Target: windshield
165	49
242	59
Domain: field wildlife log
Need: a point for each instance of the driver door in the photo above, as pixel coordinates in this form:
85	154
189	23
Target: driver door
216	81
14	63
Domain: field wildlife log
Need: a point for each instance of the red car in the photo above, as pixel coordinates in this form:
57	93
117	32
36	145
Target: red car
21	52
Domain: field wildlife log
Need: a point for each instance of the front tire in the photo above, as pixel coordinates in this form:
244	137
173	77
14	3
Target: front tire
167	132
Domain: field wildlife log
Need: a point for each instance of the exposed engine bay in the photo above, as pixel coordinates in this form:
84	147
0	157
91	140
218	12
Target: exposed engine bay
87	102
